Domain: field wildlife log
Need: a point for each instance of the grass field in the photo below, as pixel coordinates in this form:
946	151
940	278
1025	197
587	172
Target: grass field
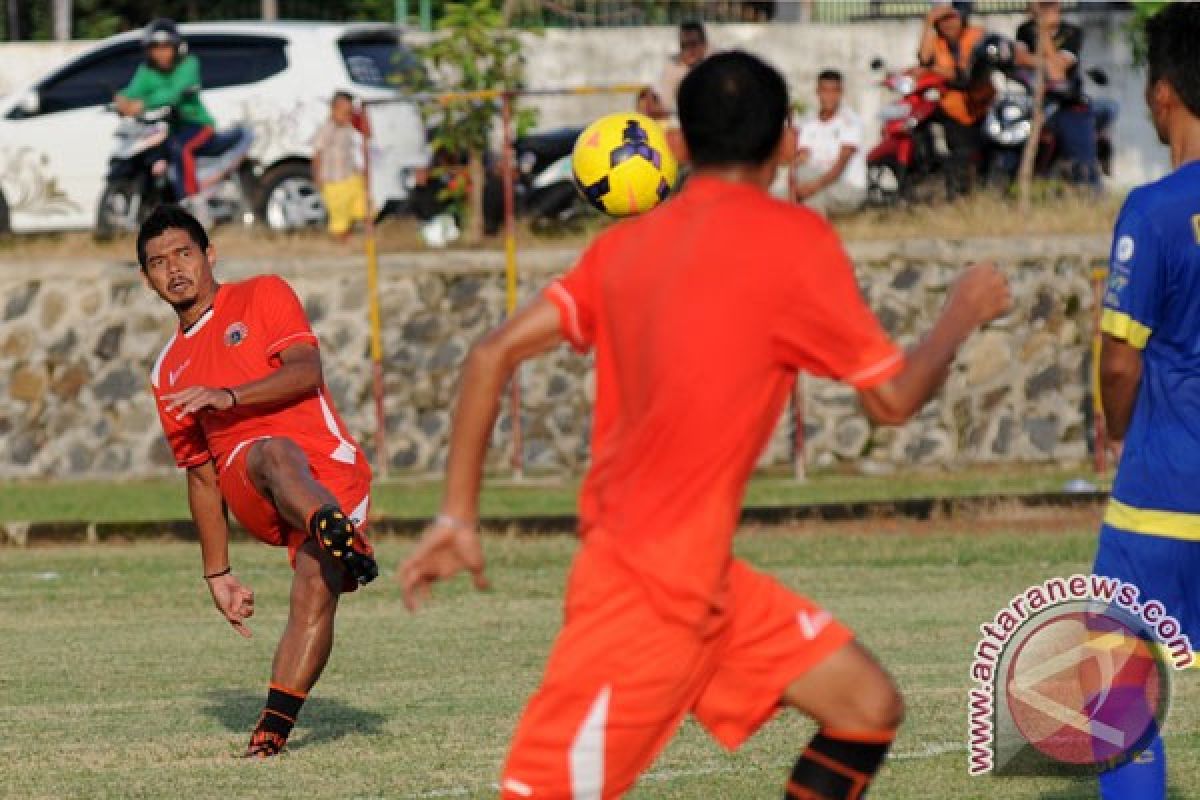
118	680
166	499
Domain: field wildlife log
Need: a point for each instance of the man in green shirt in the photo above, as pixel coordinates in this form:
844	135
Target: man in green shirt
170	78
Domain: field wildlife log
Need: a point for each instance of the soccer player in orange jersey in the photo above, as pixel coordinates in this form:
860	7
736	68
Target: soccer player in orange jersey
244	407
700	314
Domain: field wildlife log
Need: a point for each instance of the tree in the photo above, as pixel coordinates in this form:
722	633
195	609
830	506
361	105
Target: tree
472	51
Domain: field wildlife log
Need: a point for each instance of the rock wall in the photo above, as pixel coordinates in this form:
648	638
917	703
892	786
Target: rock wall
77	342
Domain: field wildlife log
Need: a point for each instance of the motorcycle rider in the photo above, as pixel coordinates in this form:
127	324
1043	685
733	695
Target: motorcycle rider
946	48
170	78
1073	123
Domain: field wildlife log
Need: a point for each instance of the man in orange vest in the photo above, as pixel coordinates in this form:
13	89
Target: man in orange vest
946	47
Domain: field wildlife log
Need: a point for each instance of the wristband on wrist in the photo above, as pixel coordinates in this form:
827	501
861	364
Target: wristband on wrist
232	396
452	522
218	574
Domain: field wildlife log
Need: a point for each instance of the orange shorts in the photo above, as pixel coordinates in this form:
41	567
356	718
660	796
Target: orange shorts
349	483
621	678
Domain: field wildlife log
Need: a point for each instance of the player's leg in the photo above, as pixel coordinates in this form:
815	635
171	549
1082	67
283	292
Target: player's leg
858	709
280	471
1147	562
784	650
303	649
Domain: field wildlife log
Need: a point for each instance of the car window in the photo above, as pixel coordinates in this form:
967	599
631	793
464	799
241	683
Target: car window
237	60
91	81
376	59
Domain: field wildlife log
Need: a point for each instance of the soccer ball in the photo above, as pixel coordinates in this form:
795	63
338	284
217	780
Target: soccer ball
622	164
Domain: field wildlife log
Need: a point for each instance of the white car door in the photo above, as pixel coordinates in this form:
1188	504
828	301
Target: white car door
53	160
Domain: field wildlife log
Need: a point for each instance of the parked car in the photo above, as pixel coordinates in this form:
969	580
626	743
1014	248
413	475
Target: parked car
274	78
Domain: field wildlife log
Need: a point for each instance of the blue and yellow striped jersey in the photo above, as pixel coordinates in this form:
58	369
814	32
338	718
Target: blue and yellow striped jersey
1153	302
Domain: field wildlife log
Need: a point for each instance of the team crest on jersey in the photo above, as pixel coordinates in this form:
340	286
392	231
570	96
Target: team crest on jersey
1125	248
235	334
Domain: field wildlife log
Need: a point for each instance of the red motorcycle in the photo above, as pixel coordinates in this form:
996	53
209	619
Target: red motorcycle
911	149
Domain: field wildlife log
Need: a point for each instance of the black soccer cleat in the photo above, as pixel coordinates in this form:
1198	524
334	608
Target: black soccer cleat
265	744
335	533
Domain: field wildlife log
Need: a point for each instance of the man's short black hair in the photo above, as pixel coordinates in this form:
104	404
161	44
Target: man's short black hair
164	218
829	75
694	26
732	107
343	95
1172	54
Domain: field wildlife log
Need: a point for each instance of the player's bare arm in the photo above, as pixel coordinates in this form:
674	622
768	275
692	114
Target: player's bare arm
451	544
234	600
981	295
299	374
1120	377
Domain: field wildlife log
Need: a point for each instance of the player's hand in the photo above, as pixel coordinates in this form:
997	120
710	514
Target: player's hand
233	600
445	549
982	294
806	190
197	398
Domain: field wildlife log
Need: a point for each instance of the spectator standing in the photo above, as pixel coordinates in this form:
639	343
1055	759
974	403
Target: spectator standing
338	169
946	47
693	47
1073	124
831	171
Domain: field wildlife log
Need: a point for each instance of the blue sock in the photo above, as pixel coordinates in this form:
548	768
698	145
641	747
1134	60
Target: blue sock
1143	778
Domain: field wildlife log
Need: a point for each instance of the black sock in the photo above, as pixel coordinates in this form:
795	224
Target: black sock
283	706
838	766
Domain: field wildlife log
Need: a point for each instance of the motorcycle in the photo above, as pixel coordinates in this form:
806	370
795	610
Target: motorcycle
137	179
1009	124
912	146
544	186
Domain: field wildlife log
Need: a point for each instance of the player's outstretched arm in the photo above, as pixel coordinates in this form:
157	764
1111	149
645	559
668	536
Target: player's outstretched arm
977	298
451	544
1120	377
232	599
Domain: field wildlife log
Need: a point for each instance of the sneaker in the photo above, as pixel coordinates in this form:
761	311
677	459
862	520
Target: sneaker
336	534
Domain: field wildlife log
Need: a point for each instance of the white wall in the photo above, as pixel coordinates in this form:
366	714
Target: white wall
567	58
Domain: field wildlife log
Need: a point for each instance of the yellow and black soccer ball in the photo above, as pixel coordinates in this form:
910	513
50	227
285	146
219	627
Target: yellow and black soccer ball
623	165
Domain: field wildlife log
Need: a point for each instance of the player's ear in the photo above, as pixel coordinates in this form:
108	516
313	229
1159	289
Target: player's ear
678	146
785	151
210	254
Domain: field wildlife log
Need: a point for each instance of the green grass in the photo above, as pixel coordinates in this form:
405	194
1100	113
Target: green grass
118	680
166	499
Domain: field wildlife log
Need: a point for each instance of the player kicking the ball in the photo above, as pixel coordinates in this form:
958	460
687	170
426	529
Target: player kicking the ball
700	314
245	410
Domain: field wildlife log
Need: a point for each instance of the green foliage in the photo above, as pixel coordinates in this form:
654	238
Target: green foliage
473	51
1136	27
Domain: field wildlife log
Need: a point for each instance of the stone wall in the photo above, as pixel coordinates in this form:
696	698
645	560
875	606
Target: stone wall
77	342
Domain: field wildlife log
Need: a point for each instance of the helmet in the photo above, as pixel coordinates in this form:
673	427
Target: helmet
996	51
164	31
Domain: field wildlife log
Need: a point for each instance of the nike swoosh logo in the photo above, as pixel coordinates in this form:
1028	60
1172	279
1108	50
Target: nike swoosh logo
811	624
175	373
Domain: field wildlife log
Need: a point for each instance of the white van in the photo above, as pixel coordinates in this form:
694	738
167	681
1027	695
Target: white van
277	78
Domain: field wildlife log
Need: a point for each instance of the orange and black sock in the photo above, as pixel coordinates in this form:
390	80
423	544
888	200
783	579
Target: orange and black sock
279	715
838	765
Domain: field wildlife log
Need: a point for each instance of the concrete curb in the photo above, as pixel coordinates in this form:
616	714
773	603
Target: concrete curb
34	534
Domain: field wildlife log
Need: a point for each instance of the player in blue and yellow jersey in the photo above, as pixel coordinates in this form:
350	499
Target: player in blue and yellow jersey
1150	368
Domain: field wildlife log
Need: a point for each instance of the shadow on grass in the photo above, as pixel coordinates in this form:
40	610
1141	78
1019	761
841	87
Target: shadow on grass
322	720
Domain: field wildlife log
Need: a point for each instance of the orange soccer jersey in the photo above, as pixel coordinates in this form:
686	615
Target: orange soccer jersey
237	341
700	313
